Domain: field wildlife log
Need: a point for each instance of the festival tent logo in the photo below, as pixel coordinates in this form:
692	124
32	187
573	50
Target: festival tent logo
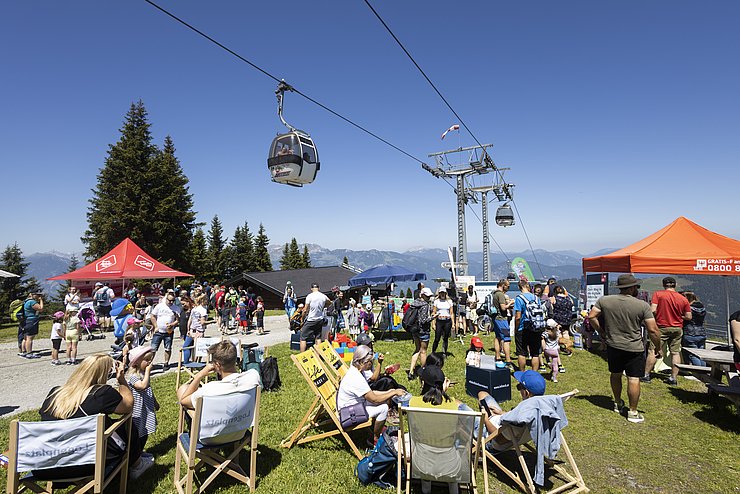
701	265
105	263
144	263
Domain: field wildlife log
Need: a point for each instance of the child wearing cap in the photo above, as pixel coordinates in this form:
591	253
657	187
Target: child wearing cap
57	334
144	416
472	358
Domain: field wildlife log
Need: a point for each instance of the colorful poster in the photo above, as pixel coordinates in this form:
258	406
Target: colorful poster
520	266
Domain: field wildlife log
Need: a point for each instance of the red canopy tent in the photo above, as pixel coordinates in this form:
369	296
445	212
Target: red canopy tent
683	247
125	261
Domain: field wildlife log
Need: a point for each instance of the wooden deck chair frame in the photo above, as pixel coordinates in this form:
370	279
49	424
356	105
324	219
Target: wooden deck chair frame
335	367
574	480
405	457
323	411
193	369
95	483
196	459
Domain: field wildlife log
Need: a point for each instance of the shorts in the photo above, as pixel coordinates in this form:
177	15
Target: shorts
31	328
72	336
56	343
471	315
260	321
422	332
103	310
158	338
671	337
631	363
502	330
311	330
528	343
243	323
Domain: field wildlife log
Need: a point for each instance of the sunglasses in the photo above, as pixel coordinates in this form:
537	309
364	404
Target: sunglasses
520	387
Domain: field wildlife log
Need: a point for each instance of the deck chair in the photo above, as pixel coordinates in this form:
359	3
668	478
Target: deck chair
37	446
221	426
517	437
335	367
198	357
439	446
323	411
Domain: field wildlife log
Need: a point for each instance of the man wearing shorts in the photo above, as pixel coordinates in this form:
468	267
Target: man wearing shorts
671	309
32	308
165	317
528	341
623	317
313	316
501	322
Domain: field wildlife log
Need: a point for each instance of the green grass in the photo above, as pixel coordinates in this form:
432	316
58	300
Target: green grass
687	444
9	331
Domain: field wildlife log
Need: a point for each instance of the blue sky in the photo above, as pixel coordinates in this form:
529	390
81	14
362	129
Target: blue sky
614	117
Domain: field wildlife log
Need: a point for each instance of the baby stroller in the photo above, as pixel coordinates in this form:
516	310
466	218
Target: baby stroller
486	314
88	323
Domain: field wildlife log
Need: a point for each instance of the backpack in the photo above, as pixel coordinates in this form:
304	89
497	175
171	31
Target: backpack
102	297
270	374
534	314
379	466
250	304
17	313
411	318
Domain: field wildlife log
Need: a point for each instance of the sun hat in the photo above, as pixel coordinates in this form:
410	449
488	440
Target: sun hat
132	320
626	281
426	291
476	342
532	381
118	306
364	339
135	355
57	314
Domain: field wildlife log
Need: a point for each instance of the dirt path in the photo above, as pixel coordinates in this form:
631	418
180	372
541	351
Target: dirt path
25	383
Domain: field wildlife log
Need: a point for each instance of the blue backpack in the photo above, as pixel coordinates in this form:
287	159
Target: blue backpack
379	466
534	314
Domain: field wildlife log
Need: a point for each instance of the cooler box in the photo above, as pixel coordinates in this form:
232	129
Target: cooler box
497	382
295	342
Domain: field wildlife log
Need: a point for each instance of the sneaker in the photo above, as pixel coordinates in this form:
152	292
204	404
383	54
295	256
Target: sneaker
144	454
56	362
22	354
33	355
69	362
645	379
671	381
554	379
635	417
143	465
561	369
619	406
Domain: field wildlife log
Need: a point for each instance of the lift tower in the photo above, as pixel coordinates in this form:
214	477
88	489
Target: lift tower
502	191
478	163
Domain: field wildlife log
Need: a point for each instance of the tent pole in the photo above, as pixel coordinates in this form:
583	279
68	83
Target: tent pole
727	308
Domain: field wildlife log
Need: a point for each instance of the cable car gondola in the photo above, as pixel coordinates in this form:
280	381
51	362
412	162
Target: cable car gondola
504	215
293	159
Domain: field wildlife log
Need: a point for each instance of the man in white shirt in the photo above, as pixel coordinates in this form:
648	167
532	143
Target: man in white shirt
165	317
72	299
313	316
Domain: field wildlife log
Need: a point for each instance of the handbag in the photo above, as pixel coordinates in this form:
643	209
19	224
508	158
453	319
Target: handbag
352	415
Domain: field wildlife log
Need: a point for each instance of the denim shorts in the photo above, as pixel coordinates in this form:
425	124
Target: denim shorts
158	338
501	328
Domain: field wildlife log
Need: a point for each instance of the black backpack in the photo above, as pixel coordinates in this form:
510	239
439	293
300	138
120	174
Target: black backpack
270	374
411	318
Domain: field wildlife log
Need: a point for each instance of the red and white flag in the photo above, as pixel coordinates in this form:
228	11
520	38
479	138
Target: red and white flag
454	127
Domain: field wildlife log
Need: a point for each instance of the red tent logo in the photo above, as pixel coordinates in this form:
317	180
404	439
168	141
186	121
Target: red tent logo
106	263
144	263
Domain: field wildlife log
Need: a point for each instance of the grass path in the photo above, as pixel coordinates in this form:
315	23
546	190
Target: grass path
685	445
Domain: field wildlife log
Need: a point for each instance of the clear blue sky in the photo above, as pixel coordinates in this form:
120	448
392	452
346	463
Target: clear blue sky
615	117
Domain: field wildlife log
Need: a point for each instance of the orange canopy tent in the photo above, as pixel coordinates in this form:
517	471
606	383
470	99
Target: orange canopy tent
125	261
683	247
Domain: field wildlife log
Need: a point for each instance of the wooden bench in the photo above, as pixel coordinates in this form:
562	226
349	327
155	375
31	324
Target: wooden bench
694	368
732	393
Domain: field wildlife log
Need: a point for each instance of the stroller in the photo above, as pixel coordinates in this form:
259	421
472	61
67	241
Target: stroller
88	323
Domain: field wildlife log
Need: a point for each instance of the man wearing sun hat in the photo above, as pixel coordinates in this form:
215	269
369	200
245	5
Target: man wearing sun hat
623	316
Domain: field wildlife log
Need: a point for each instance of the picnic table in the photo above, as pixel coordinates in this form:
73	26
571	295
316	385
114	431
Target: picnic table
719	364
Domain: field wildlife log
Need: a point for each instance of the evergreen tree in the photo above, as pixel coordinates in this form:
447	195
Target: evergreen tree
240	253
294	255
261	253
12	260
141	193
63	289
409	294
345	261
216	255
199	254
285	258
305	258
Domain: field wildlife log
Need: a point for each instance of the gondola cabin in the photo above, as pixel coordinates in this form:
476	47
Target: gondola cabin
293	159
504	215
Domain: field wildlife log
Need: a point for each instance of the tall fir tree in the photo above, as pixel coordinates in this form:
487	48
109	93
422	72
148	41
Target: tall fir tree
241	252
294	255
285	262
261	253
199	254
63	289
409	294
345	261
216	252
141	193
12	260
305	258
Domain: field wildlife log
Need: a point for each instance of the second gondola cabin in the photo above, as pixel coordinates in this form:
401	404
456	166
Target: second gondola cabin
293	159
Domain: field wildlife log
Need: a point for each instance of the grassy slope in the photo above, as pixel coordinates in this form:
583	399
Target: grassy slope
685	445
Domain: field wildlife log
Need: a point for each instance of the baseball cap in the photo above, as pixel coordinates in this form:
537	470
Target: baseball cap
551	323
98	284
132	320
426	291
669	281
476	342
364	339
442	290
532	381
58	314
314	285
135	355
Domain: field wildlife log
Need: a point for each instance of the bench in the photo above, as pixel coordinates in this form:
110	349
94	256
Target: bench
732	393
694	368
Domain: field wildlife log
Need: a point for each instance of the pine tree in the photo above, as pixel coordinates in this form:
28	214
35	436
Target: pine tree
12	260
198	254
261	253
285	262
141	193
216	247
305	258
345	261
63	289
240	253
294	255
409	294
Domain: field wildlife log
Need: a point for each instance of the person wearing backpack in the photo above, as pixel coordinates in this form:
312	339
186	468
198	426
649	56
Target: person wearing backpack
103	298
418	322
31	311
528	317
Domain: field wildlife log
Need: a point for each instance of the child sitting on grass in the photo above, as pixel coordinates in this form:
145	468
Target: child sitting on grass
474	352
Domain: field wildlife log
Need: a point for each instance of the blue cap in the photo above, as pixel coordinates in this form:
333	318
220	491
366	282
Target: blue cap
117	306
532	381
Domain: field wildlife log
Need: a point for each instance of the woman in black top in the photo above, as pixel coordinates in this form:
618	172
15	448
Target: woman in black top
86	393
694	334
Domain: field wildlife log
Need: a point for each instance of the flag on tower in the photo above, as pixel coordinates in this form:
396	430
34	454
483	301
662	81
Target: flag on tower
454	127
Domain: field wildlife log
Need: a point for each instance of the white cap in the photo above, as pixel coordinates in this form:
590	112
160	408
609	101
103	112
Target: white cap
551	323
442	290
426	291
